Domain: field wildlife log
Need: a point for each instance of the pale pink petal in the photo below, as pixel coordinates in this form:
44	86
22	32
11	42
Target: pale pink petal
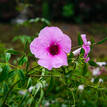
51	34
54	61
83	36
86	48
66	43
38	48
87	59
59	60
45	63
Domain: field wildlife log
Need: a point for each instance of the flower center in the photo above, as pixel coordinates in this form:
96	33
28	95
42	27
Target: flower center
54	49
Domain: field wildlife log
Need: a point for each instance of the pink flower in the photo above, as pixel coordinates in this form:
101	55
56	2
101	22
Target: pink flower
51	47
96	71
86	47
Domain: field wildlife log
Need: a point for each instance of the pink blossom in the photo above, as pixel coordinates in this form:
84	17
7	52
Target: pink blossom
86	47
101	64
51	47
96	71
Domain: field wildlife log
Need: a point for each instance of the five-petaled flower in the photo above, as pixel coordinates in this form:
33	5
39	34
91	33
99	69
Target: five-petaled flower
51	47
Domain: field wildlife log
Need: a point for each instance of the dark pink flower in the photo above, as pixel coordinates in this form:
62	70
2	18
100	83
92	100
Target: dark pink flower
51	47
86	47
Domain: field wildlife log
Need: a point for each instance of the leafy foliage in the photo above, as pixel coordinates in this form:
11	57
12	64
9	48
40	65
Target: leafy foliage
26	84
102	41
80	42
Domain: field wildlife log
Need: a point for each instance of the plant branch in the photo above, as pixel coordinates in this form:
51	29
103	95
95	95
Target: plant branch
44	75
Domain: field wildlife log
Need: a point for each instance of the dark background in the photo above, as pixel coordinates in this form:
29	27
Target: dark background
76	11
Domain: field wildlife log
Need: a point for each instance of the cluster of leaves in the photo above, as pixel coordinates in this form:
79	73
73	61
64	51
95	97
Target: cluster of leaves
44	21
23	83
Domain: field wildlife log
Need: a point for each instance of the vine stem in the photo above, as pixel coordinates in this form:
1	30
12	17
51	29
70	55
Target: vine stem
44	75
75	47
10	65
73	98
9	92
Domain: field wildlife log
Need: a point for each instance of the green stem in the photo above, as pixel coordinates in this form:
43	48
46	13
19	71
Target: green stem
43	75
9	65
73	98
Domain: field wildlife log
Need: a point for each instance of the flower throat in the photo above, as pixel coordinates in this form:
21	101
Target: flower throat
54	49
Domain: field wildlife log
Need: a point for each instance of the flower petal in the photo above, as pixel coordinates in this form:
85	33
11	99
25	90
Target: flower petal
66	43
54	61
86	48
87	59
45	63
83	36
38	48
59	60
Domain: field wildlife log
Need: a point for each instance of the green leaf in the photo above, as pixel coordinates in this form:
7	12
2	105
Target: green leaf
92	63
41	95
26	46
11	74
30	100
22	38
70	57
4	73
22	60
80	41
35	90
29	82
11	51
45	21
102	41
51	84
23	99
21	74
34	20
1	69
81	56
82	51
27	65
40	99
7	56
96	79
85	69
5	88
